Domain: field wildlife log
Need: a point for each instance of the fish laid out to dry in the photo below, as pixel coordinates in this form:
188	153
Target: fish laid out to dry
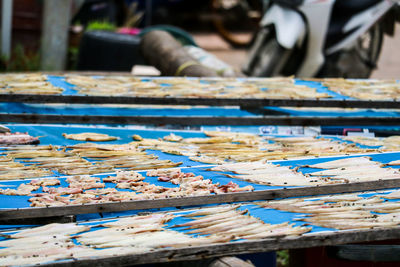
137	234
222	147
11	169
344	211
228	220
269	174
18	138
336	171
216	148
365	89
86	189
39	161
22	190
393	163
34	83
95	137
204	87
346	162
355	169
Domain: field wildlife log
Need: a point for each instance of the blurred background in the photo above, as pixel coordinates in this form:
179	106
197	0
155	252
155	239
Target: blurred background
226	29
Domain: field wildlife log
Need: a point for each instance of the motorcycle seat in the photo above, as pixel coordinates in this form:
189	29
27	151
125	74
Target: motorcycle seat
354	6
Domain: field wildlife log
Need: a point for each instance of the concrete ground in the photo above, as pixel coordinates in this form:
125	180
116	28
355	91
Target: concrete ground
388	65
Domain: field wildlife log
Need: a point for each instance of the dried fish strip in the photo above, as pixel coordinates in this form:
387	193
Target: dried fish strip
22	190
17	138
172	138
268	174
393	163
51	229
95	137
45	182
24	173
343	163
393	195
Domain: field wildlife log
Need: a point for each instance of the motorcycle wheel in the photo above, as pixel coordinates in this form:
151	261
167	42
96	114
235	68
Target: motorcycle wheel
236	20
358	62
267	57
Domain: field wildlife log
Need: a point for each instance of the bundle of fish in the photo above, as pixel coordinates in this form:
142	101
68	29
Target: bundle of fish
222	147
91	190
365	90
39	161
27	84
345	211
183	87
345	170
136	235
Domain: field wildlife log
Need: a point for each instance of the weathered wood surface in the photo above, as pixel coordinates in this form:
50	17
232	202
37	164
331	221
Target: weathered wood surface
243	247
161	50
7	214
39	221
245	103
199	120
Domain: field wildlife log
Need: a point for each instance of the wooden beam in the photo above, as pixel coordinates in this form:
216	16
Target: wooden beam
243	247
20	213
198	120
244	103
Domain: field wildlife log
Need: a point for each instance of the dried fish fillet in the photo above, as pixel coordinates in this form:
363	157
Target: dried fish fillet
96	137
346	162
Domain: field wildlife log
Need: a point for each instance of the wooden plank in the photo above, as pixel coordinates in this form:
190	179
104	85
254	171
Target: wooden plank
200	120
7	214
41	220
245	103
243	247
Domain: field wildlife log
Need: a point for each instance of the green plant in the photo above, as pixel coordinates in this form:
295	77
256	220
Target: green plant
282	258
100	25
73	53
20	60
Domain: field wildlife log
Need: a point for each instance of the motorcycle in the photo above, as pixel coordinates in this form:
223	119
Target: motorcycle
321	38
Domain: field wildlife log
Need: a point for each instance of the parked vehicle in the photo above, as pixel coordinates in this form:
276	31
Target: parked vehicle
321	38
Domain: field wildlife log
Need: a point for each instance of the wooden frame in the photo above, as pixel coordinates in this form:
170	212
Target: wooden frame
24	213
242	247
243	102
199	120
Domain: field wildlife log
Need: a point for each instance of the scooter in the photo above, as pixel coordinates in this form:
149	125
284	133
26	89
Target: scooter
321	38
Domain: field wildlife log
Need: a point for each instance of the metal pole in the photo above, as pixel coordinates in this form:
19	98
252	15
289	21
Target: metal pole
56	17
6	24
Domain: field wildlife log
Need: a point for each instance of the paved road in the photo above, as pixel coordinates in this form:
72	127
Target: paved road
388	65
